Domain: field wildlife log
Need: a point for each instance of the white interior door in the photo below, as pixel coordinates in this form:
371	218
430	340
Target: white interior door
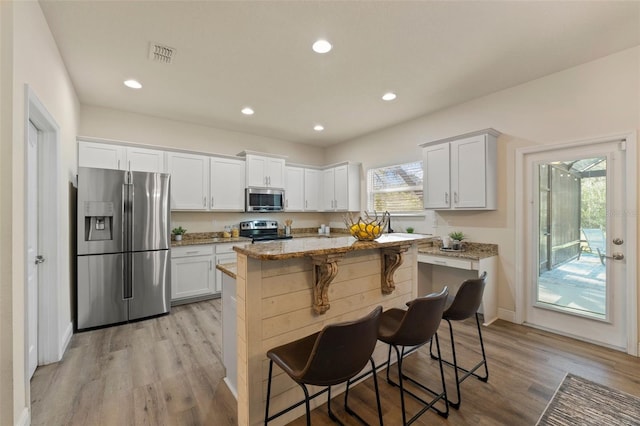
573	287
32	248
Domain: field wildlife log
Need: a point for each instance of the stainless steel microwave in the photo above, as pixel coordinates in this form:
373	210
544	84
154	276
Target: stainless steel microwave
264	200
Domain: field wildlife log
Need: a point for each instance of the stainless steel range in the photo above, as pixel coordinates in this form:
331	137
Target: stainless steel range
261	230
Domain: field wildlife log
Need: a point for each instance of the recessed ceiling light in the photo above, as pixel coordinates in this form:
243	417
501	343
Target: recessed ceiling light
389	96
322	46
318	127
133	84
247	111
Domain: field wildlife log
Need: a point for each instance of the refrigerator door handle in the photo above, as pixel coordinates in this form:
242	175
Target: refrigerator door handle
127	276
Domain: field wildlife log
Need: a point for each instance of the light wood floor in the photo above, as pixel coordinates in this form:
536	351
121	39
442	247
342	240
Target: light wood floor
168	371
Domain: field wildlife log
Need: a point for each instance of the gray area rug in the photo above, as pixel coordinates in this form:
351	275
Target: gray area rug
579	401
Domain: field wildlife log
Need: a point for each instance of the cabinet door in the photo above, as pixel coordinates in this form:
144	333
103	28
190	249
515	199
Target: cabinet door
192	276
101	155
328	194
265	171
256	171
435	161
227	184
145	160
468	168
311	190
294	189
341	188
189	181
275	172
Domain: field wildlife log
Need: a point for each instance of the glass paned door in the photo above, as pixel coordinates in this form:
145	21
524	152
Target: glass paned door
572	223
576	267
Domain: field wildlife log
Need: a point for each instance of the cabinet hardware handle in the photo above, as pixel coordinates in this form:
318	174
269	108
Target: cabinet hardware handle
306	204
211	202
118	164
210	264
455	197
446	198
192	252
204	201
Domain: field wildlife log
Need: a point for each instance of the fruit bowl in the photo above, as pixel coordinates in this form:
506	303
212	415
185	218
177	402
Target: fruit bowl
367	228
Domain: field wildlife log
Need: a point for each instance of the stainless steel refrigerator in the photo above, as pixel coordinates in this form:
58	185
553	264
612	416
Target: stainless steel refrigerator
123	246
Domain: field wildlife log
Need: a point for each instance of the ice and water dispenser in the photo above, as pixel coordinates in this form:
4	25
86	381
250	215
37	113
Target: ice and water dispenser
98	220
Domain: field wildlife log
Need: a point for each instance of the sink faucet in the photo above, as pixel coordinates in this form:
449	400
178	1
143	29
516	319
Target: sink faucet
389	230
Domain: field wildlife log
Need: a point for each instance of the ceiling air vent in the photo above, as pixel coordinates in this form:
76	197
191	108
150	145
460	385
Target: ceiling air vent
160	53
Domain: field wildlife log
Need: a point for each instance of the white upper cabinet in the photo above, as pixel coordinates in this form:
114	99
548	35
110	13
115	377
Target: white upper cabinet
265	171
341	188
460	173
101	155
120	157
227	184
189	181
145	160
294	189
312	191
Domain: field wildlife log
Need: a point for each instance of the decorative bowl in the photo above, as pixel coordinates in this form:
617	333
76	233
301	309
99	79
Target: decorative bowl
367	228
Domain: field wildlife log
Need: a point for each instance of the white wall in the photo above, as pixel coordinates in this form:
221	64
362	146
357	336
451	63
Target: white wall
34	60
595	99
143	129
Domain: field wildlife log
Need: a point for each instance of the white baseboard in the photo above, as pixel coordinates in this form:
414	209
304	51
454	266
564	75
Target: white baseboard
66	339
507	315
25	417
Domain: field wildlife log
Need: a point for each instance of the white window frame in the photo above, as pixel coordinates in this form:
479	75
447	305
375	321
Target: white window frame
371	192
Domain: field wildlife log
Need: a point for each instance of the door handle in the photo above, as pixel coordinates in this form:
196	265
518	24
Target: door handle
39	259
618	241
615	256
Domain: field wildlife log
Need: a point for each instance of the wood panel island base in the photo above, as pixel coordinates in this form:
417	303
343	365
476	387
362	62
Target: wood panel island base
288	289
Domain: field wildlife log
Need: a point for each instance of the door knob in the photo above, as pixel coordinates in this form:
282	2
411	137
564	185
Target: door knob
618	241
39	259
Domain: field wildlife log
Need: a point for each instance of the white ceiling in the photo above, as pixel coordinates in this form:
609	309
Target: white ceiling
236	53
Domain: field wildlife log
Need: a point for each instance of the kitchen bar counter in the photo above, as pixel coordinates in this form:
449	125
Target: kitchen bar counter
289	289
316	246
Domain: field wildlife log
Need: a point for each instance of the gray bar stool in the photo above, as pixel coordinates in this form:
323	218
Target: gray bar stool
411	329
464	305
330	357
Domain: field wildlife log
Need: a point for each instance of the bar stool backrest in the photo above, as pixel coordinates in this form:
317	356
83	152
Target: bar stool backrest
422	319
342	350
467	300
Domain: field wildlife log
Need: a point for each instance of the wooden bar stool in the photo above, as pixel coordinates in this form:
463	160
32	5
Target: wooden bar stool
330	357
464	305
411	329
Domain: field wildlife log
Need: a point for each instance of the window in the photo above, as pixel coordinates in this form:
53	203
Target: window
397	189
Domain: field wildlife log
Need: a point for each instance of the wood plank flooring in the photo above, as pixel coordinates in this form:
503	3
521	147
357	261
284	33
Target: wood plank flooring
168	371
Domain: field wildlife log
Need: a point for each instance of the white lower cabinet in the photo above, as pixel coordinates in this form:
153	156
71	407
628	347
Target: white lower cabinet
192	273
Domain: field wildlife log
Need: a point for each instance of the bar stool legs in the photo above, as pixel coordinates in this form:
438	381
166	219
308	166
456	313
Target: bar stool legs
308	398
457	368
400	353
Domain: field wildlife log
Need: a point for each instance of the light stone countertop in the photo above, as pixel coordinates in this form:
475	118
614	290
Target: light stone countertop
231	269
472	251
314	246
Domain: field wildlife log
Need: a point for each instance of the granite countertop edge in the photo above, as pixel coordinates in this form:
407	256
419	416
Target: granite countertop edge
471	251
230	269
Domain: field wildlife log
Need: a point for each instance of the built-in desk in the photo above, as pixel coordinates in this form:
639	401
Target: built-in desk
437	268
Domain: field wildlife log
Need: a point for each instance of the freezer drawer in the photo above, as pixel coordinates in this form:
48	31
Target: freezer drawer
100	290
151	289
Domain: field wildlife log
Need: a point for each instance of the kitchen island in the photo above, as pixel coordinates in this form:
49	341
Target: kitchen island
288	289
